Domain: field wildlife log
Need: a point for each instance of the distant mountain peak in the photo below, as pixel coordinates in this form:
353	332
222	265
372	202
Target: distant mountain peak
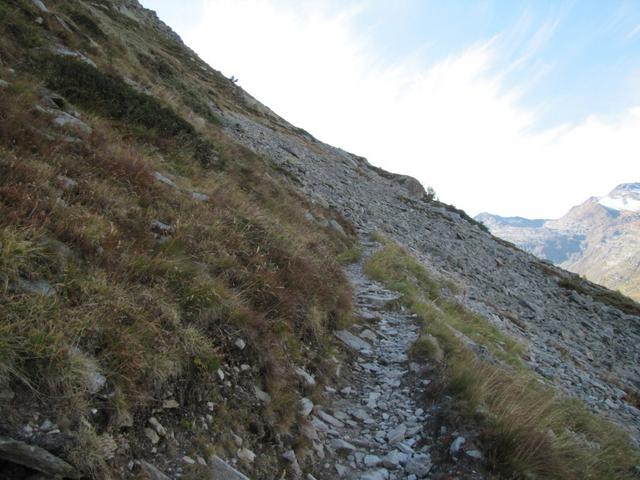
599	238
625	196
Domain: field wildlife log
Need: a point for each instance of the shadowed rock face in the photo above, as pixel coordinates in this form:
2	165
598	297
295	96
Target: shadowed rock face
500	281
592	239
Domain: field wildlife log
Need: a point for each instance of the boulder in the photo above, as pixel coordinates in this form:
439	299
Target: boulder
35	458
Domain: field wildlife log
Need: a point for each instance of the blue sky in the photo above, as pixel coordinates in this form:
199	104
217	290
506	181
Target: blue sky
546	91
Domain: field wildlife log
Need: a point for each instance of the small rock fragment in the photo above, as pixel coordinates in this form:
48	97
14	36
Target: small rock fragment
152	435
170	404
456	445
307	407
306	376
246	455
153	421
419	465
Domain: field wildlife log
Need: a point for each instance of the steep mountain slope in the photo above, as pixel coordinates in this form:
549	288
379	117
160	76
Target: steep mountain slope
599	238
170	286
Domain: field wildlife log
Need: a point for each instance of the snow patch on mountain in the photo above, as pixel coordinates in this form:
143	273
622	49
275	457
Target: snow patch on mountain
623	197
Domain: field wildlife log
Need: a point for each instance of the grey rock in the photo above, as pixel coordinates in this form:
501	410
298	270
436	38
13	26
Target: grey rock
306	407
237	439
367	334
170	404
164	179
157	426
67	183
397	434
65	52
35	458
414	188
152	471
290	456
456	445
352	341
151	435
48	425
379	474
371	460
246	455
222	470
306	376
240	344
331	420
474	454
337	227
200	197
37	287
161	228
393	459
342	446
66	120
40	5
262	395
96	381
3	83
419	465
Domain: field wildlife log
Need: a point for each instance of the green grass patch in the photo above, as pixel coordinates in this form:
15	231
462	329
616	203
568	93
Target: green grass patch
350	255
397	269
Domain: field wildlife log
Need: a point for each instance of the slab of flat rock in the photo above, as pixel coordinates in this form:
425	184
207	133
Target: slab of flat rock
419	465
221	469
351	341
380	474
397	434
152	472
331	420
35	458
164	179
343	446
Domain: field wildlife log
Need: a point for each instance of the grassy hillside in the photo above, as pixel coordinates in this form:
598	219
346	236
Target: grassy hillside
144	256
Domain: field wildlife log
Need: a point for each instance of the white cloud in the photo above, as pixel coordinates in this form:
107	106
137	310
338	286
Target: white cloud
453	125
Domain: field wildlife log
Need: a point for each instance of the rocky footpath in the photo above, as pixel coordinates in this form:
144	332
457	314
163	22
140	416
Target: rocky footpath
378	424
578	343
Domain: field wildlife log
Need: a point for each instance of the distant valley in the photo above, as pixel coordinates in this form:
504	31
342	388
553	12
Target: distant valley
599	238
